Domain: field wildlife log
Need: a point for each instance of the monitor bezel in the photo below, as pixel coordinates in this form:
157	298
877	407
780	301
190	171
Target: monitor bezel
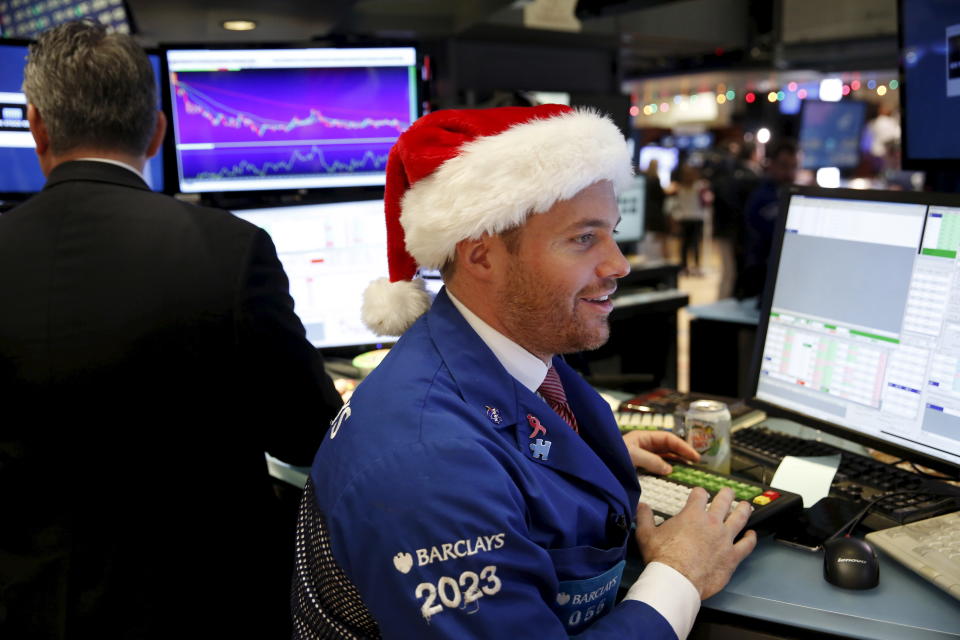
166	146
341	351
22	196
215	197
908	197
16	196
908	162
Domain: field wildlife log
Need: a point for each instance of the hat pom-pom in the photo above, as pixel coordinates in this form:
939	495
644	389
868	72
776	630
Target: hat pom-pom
390	308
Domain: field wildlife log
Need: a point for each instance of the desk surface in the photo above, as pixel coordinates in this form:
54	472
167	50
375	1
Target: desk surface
649	302
728	310
785	585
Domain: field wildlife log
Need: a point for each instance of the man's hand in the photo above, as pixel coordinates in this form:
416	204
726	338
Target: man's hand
647	447
698	541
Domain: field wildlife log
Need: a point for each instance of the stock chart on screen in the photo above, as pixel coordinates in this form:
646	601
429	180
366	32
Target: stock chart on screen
266	119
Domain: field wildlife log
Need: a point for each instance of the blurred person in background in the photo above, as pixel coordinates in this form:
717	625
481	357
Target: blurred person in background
656	224
731	188
763	207
688	207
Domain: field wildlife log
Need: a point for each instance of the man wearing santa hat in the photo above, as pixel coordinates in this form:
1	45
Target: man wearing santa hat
475	486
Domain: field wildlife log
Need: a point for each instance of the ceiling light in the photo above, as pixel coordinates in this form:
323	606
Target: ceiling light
831	89
828	177
239	25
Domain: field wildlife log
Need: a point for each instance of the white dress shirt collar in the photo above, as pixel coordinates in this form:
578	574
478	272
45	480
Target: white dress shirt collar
116	163
527	368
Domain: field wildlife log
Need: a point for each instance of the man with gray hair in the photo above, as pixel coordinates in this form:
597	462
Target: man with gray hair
149	354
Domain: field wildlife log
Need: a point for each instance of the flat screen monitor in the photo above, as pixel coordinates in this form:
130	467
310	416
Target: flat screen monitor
690	141
667	160
20	174
830	133
930	72
860	328
330	252
276	119
631	201
29	18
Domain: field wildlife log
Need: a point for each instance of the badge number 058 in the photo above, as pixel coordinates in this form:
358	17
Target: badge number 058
453	592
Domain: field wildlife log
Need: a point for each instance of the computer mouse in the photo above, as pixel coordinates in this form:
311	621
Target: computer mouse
850	563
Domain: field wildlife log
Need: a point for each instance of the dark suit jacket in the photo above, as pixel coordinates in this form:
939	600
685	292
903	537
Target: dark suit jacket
149	354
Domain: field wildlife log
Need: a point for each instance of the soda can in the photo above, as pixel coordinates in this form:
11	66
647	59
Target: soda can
707	425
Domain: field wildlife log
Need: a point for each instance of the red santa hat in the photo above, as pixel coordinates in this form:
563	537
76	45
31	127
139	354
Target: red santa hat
458	174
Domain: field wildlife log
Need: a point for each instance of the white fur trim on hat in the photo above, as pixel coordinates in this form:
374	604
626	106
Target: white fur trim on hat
496	181
389	308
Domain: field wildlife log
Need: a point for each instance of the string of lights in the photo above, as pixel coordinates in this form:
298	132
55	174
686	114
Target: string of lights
831	89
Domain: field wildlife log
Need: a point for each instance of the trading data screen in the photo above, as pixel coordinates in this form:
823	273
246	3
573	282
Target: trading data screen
19	169
330	252
29	18
863	329
269	119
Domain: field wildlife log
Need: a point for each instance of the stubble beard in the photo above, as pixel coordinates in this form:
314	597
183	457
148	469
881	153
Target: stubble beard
542	320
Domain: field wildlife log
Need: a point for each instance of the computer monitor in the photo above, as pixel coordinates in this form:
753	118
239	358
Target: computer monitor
830	133
930	73
860	328
330	252
29	18
631	201
667	160
275	119
689	141
20	174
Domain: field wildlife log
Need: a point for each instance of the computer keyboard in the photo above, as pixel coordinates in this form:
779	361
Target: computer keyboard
667	495
644	421
669	403
859	478
931	548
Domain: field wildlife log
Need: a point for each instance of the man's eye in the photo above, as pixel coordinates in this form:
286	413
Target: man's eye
586	238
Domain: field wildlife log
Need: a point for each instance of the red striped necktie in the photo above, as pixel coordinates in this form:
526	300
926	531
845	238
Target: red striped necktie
552	391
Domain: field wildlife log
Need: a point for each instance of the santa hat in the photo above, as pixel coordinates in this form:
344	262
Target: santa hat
458	174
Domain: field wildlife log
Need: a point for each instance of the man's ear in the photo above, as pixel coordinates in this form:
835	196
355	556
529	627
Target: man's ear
158	132
475	256
38	129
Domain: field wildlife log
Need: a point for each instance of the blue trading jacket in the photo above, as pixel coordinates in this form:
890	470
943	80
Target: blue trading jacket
456	516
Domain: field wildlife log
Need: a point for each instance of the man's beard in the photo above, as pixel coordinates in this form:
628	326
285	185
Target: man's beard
544	320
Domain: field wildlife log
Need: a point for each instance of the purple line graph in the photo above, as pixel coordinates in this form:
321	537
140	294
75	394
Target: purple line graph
284	122
307	161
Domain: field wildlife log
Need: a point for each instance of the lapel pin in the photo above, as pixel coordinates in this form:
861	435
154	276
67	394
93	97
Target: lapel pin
537	427
493	413
540	448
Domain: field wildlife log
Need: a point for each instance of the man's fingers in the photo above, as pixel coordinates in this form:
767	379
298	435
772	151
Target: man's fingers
721	502
680	447
644	518
745	545
666	442
739	516
648	461
697	499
